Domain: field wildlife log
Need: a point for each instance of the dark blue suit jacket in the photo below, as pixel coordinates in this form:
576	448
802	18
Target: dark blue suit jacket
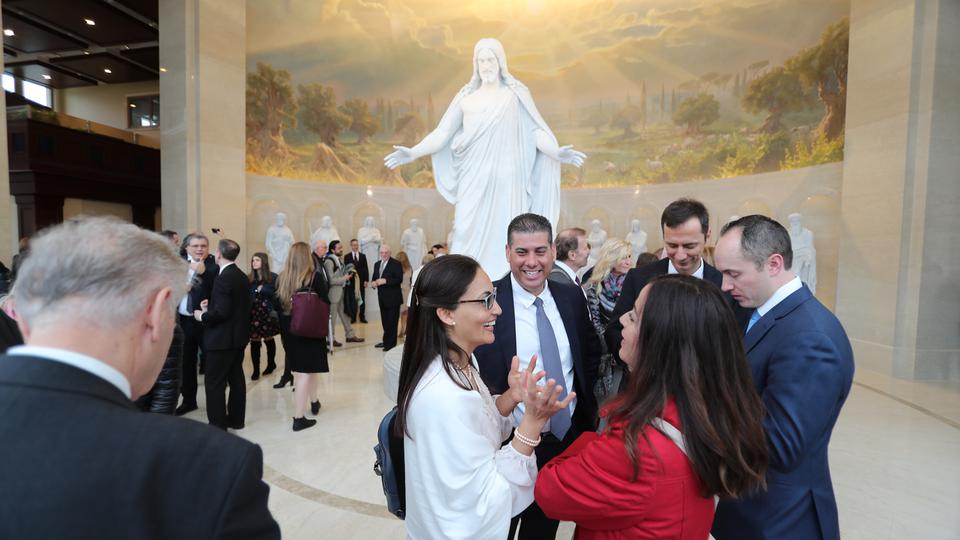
802	366
495	359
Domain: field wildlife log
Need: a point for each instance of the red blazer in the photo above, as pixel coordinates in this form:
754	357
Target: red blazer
590	484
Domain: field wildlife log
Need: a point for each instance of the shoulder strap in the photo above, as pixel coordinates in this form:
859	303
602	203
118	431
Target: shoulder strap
674	434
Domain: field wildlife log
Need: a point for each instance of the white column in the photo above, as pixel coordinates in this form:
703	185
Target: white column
202	92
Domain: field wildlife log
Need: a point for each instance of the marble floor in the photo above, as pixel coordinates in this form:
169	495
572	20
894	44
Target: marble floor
895	454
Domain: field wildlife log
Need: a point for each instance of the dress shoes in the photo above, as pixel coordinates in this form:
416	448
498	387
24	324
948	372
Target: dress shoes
315	407
284	381
337	343
303	423
255	376
379	345
270	367
185	408
364	321
354	339
235	425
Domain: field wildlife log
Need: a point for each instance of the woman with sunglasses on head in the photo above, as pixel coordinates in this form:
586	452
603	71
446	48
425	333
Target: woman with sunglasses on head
460	481
687	427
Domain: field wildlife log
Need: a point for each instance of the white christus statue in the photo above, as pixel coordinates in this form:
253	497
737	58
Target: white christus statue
804	252
494	157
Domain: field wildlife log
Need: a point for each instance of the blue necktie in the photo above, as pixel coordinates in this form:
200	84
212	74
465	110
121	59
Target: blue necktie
550	355
753	320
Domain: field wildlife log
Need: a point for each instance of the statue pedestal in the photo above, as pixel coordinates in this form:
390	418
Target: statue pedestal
372	311
391	372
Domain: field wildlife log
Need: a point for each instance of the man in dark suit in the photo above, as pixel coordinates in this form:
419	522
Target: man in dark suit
685	224
802	367
549	320
226	332
387	276
573	249
359	262
96	306
203	271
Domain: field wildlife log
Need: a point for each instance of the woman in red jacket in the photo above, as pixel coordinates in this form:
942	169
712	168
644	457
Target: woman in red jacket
689	370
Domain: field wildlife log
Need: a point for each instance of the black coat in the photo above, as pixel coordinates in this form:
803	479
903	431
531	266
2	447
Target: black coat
78	460
202	286
361	266
389	294
495	359
163	397
637	279
226	324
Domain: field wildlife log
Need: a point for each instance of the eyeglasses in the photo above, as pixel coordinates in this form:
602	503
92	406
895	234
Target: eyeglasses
487	300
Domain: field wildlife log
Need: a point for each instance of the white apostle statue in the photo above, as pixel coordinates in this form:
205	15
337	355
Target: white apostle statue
494	157
804	252
326	232
414	242
370	238
278	241
637	238
596	239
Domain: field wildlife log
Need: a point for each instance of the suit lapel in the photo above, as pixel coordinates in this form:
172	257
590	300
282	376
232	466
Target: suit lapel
768	321
569	317
506	333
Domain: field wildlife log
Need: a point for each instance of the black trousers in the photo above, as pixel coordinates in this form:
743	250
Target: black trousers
534	524
350	301
390	317
192	345
225	368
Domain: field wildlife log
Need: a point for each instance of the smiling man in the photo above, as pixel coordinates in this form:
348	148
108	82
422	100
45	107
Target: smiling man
685	224
549	321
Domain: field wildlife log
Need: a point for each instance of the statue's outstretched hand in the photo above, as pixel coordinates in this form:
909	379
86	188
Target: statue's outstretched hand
568	155
400	156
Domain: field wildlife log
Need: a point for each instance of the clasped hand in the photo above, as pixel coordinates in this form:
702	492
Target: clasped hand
539	401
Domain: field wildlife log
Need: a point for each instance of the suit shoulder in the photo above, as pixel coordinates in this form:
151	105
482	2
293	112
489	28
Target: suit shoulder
177	434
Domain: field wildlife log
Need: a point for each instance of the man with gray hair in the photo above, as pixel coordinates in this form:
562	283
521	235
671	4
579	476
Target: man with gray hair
802	367
573	249
95	303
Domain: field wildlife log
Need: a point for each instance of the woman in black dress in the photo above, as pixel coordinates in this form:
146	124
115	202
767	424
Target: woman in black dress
307	357
263	310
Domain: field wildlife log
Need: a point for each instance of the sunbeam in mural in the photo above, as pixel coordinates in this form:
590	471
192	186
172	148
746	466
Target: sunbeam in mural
653	91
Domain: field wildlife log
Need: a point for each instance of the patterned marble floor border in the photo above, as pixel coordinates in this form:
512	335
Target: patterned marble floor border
918	408
284	482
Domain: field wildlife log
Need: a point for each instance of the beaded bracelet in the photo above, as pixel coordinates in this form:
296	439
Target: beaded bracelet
526	440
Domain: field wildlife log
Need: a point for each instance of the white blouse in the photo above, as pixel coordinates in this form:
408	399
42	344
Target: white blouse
460	483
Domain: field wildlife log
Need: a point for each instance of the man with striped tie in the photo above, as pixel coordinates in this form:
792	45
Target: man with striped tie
548	323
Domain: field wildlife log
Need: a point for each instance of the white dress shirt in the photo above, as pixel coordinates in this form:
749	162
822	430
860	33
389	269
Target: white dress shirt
224	266
528	339
182	308
780	295
80	361
460	481
567	270
671	269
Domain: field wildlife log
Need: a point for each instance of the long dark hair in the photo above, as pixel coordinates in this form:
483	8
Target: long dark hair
263	274
690	350
441	284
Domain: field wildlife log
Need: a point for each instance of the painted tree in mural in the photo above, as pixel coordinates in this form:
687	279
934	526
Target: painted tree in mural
320	114
270	108
775	93
824	67
361	121
625	118
596	118
410	127
697	112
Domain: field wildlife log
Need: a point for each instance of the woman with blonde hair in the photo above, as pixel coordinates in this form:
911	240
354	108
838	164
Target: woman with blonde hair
606	280
307	357
405	286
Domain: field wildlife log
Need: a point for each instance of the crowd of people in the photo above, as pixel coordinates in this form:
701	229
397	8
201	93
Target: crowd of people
732	378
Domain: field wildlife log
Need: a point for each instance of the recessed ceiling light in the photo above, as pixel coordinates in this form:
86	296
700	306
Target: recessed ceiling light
133	105
163	70
90	22
47	77
8	32
86	52
107	70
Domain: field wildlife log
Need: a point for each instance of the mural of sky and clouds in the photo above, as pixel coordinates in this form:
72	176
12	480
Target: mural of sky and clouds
568	52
